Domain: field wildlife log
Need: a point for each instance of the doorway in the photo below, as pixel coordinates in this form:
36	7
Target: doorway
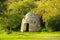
27	27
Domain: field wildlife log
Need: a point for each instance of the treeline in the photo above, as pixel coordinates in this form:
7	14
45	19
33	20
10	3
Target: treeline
12	12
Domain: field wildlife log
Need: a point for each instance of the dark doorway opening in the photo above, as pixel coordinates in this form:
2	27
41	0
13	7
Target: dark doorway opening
27	27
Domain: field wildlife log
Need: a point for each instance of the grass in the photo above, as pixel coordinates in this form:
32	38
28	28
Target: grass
30	36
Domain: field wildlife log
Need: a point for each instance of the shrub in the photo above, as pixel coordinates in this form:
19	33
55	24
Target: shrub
52	22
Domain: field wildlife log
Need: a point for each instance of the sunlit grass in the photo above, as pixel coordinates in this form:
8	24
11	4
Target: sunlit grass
30	35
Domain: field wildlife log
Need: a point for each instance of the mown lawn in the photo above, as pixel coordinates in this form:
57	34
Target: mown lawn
30	36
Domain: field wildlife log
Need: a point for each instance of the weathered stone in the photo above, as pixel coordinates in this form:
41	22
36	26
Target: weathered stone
30	23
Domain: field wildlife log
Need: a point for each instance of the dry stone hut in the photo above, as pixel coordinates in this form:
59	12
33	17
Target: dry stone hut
30	23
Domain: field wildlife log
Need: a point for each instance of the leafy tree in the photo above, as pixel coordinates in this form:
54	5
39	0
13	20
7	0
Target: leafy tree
17	10
51	15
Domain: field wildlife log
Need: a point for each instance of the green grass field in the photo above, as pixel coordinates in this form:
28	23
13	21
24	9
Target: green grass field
30	36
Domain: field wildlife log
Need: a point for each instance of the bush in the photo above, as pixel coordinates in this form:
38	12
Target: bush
53	23
44	30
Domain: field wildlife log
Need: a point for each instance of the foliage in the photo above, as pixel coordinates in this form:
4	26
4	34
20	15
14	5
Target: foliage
53	23
12	12
51	15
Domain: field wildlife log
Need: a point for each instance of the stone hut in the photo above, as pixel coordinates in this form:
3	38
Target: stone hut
30	23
